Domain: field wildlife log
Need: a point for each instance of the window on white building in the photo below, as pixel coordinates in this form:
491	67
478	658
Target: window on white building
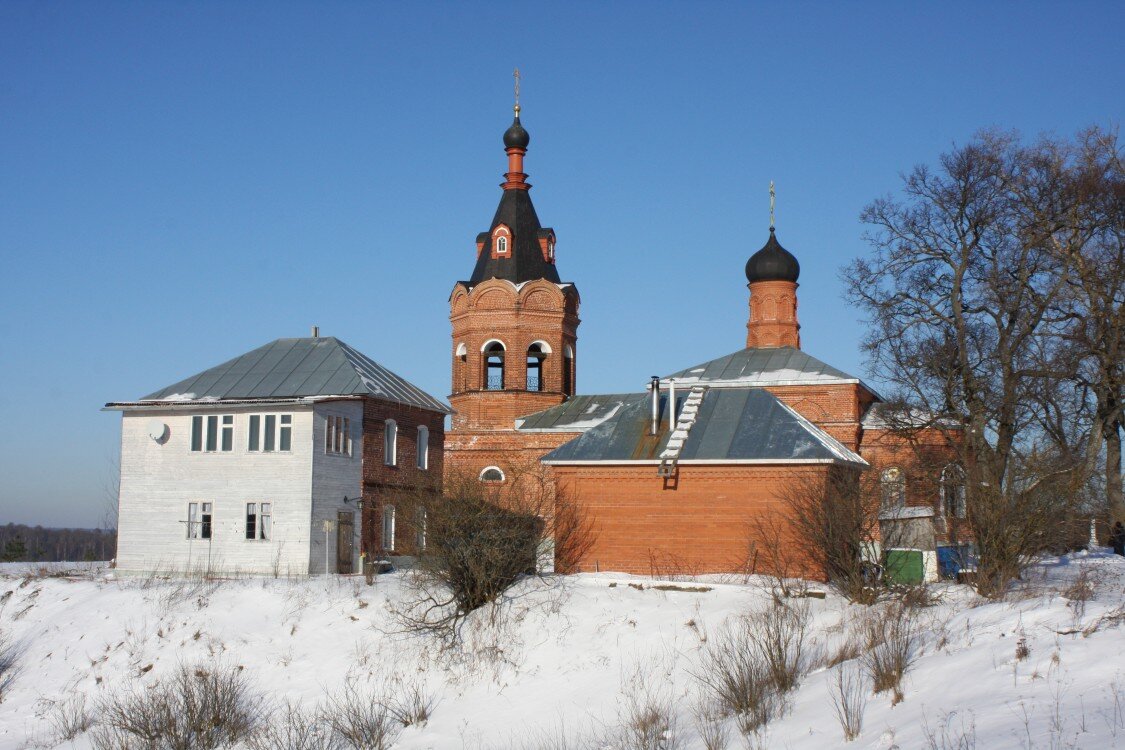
337	435
423	448
390	443
270	432
259	520
388	527
210	432
199	521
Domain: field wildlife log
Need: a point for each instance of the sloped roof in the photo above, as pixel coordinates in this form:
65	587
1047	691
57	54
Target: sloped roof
763	366
578	413
526	262
297	368
734	425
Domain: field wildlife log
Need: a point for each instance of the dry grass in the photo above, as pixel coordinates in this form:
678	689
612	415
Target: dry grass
70	717
848	691
892	647
293	728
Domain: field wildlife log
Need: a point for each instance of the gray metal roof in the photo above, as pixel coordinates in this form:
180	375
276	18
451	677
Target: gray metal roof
734	425
757	367
577	414
297	368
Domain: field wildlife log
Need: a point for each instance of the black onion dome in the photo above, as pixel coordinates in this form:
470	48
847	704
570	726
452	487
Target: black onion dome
772	263
516	136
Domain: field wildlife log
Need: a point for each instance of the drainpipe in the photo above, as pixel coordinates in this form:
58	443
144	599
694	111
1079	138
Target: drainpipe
654	386
671	404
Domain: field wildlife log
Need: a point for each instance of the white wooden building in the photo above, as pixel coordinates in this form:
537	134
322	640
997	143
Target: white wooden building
257	465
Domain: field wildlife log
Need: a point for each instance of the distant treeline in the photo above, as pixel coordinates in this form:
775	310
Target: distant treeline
19	543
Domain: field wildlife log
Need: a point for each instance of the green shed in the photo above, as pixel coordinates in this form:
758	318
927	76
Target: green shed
905	566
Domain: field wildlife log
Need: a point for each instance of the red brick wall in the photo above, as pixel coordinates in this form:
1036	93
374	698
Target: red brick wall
703	525
381	481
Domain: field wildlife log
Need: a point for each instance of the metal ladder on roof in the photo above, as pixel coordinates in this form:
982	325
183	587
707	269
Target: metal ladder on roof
670	456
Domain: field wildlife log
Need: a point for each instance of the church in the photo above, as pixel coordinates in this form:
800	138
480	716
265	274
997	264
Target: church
287	459
674	477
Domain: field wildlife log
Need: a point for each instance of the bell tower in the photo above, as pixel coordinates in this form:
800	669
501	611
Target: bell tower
514	325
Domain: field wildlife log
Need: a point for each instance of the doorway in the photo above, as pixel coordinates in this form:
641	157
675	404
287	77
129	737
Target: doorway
345	541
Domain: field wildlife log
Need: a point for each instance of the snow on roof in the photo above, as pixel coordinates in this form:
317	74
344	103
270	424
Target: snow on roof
577	414
758	367
294	368
733	425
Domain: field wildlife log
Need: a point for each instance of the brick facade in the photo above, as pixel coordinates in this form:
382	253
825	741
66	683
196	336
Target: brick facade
702	523
381	481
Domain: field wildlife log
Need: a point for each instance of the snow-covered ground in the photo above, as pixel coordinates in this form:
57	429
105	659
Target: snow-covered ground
573	654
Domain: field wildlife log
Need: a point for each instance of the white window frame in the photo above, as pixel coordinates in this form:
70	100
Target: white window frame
490	468
208	428
502	240
389	527
197	511
337	435
262	529
423	448
282	424
390	443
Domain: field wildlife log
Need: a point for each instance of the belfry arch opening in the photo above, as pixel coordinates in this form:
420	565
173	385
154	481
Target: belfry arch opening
568	371
493	365
536	357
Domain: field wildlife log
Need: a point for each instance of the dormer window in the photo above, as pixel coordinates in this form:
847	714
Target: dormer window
551	250
501	242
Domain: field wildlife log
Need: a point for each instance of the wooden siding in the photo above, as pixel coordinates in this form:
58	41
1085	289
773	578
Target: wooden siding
158	480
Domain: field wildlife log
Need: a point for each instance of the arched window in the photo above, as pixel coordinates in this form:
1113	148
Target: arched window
492	474
953	491
390	442
536	354
388	527
501	240
568	370
893	486
423	447
493	366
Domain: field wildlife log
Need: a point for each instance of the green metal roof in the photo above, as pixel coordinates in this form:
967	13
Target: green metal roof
297	368
737	425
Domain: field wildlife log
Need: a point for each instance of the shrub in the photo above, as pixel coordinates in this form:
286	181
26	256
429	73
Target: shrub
70	718
293	728
483	538
359	720
848	691
734	670
892	644
195	708
9	664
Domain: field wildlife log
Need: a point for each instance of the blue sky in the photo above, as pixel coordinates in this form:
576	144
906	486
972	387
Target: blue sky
182	182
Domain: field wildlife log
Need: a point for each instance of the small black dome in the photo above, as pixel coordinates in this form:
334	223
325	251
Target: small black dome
772	263
516	136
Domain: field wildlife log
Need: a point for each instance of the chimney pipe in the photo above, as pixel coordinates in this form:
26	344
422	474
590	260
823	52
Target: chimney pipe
654	386
671	404
316	332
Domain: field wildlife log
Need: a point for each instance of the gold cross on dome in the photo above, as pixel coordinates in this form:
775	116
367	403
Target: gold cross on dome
773	196
517	77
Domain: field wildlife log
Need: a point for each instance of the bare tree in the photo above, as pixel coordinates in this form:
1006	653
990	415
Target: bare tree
482	537
963	294
1096	328
837	524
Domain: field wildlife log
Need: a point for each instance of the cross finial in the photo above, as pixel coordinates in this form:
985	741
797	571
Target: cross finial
516	74
773	196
